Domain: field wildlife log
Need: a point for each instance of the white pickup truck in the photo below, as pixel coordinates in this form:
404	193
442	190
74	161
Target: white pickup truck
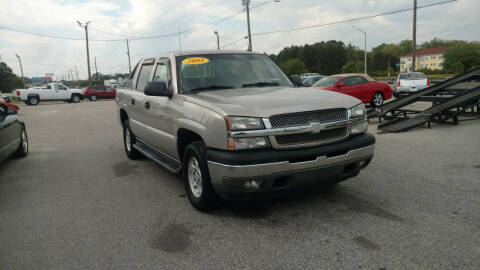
53	91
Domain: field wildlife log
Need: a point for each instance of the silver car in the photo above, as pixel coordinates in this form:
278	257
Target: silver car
233	124
410	82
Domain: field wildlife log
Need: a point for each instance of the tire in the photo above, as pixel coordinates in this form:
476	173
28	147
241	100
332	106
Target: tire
75	98
128	142
196	179
377	99
33	100
22	150
28	103
93	98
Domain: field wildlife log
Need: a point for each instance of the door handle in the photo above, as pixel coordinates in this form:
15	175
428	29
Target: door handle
147	105
133	101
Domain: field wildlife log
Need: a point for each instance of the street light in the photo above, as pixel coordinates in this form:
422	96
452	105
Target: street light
246	4
21	68
86	39
365	35
218	39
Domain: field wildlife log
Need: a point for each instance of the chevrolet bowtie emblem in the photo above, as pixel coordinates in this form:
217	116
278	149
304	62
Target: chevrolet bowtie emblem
317	127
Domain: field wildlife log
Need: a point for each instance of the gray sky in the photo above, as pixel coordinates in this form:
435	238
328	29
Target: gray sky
137	18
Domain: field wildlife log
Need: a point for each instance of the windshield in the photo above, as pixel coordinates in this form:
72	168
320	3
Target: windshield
227	71
415	75
328	81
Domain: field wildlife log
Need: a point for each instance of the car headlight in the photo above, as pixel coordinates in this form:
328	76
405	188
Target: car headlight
247	143
358	111
235	123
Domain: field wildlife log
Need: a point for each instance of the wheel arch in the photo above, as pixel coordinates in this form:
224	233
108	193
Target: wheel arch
185	137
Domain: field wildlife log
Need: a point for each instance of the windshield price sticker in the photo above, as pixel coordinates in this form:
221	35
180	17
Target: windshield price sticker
195	61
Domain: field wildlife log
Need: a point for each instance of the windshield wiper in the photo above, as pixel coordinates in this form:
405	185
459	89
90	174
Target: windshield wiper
212	87
260	84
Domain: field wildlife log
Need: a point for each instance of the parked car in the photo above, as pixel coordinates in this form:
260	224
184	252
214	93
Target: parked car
99	92
296	80
360	86
233	124
53	91
304	75
13	135
310	80
410	82
10	106
6	98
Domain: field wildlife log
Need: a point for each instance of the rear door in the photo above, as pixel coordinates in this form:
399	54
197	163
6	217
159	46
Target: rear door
138	99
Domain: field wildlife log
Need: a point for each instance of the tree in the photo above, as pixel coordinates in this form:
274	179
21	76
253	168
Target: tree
462	57
293	66
8	80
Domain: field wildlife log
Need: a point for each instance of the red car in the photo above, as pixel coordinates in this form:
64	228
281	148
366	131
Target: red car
99	91
10	106
360	86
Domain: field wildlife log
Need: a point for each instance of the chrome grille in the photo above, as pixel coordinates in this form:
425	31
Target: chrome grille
304	138
305	118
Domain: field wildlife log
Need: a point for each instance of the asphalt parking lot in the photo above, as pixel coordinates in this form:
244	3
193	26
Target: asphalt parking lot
77	202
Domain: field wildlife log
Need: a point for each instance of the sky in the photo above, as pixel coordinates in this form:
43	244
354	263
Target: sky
122	19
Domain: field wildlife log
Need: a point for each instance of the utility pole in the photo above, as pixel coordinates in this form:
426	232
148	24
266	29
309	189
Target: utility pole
179	39
246	4
414	44
365	36
96	71
128	53
218	40
21	68
88	53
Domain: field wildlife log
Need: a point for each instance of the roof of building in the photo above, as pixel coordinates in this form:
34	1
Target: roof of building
428	51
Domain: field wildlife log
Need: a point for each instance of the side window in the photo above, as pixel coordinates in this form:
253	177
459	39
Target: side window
143	77
362	80
129	81
162	74
350	81
61	87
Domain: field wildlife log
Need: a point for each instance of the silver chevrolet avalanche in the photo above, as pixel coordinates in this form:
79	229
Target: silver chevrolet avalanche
235	127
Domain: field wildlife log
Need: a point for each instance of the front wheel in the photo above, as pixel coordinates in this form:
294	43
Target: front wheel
75	98
377	99
93	98
196	179
22	150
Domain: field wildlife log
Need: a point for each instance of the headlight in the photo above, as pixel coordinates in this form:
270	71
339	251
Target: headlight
247	143
358	111
235	123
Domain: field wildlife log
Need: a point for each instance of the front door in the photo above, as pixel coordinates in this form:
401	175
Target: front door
61	92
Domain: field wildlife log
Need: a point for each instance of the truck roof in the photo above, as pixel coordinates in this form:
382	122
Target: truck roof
198	52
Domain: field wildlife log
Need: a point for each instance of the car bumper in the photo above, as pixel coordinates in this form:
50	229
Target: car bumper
237	173
409	89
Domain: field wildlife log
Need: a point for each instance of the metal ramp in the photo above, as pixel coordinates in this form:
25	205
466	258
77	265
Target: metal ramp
439	112
437	89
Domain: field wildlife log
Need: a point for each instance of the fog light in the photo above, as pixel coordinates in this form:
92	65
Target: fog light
359	128
362	164
253	184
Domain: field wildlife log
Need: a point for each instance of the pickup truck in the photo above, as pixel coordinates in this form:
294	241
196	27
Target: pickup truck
53	91
235	127
411	82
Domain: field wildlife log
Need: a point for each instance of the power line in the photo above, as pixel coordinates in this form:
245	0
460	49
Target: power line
231	43
350	20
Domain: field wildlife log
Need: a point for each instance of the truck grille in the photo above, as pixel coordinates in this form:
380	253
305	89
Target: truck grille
305	118
304	138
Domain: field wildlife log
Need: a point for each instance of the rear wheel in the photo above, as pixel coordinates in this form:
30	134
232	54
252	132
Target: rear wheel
377	99
196	179
34	100
22	150
93	98
128	142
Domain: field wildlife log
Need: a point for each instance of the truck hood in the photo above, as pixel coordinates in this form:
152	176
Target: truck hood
268	101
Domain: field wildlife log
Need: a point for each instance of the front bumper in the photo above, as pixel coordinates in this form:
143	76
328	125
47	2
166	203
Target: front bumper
233	172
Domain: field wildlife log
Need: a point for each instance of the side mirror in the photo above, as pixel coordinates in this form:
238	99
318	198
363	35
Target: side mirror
157	89
3	112
296	80
340	85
